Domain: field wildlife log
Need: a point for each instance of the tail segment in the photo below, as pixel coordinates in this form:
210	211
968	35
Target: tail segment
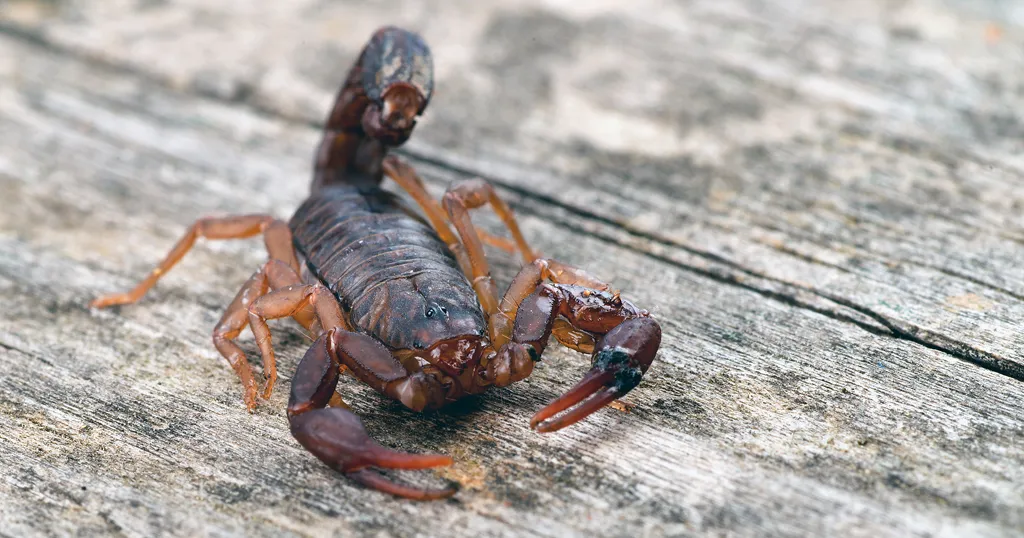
389	85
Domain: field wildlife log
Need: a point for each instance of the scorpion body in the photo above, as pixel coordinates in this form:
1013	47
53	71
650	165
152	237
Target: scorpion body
395	297
392	275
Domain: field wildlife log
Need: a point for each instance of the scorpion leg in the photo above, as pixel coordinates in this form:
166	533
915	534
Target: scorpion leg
457	202
230	326
275	232
477	192
288	301
403	174
280	270
273	275
335	435
628	337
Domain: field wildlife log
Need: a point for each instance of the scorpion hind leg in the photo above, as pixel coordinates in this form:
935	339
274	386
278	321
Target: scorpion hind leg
336	436
619	361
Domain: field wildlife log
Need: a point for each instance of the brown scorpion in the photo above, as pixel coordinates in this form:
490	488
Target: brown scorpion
398	299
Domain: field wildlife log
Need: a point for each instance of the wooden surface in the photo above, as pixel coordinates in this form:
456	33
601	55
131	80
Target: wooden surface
823	203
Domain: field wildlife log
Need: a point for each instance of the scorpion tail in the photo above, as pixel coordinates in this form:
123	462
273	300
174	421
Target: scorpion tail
376	108
619	361
337	437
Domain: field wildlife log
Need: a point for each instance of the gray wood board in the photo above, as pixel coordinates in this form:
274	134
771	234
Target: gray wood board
863	153
819	290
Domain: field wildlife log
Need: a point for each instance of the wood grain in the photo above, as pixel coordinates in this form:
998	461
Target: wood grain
822	204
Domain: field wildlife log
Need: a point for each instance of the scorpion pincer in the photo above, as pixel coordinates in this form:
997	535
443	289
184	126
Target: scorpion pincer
396	297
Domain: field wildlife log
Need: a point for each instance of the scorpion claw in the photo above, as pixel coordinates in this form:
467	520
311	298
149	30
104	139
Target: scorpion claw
619	362
590	385
337	437
378	482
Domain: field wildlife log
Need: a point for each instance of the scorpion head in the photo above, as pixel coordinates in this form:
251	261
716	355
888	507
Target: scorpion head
442	320
419	312
391	121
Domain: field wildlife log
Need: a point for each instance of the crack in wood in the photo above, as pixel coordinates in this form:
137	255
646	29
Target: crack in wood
16	349
896	328
889	326
877	257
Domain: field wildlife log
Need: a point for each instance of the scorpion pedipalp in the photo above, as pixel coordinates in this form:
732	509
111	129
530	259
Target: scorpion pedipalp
337	437
628	339
619	361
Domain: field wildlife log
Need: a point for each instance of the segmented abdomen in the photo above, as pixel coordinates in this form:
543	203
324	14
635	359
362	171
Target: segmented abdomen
382	263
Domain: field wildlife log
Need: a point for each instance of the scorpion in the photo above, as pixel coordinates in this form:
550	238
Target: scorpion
397	299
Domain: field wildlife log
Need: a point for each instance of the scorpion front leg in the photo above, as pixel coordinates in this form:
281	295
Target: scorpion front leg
274	274
458	202
627	339
335	435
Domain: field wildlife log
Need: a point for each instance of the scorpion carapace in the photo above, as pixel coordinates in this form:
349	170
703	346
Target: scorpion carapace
398	299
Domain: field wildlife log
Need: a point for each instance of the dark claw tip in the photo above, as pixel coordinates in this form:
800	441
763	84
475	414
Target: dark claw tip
377	481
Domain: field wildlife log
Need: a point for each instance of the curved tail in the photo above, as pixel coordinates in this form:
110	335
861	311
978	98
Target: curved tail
389	85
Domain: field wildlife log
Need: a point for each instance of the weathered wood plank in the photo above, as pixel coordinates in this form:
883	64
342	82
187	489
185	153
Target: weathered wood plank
760	417
869	165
